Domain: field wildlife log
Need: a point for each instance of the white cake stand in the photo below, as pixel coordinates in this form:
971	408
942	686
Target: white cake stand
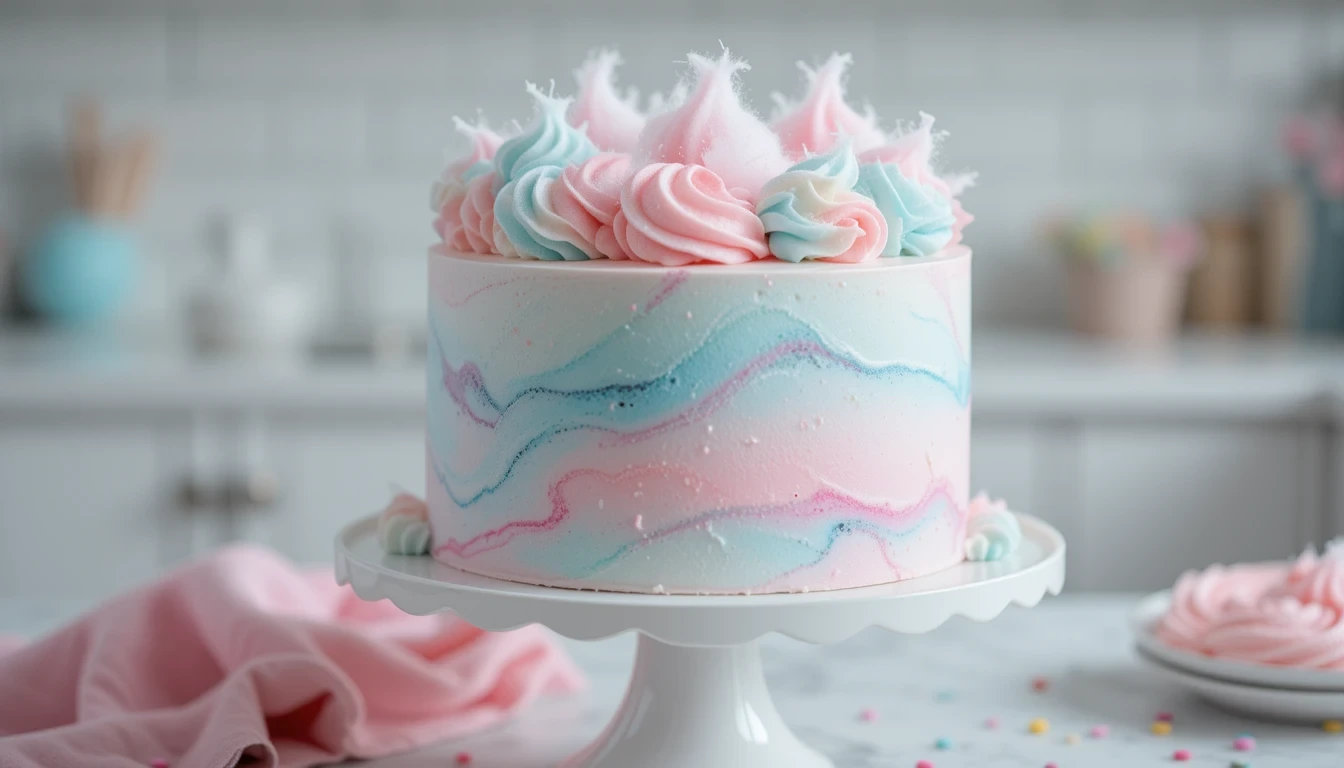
697	697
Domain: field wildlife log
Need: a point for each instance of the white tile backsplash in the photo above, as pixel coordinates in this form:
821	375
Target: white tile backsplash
331	115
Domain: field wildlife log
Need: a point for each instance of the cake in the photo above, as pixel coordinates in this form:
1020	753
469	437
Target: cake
689	351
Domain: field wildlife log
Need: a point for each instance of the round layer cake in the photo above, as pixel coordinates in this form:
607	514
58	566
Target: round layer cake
762	427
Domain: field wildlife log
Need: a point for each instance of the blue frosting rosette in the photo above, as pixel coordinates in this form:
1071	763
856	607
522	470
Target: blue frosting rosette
919	218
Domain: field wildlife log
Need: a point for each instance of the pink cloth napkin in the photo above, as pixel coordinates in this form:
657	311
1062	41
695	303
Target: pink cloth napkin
242	656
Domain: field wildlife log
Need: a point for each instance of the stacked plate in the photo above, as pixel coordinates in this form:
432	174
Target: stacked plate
1261	691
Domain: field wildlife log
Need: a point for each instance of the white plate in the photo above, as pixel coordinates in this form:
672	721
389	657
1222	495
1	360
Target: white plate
1273	704
1150	609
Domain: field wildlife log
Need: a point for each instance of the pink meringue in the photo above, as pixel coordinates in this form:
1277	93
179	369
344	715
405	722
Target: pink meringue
588	196
611	122
1273	614
674	214
818	122
712	128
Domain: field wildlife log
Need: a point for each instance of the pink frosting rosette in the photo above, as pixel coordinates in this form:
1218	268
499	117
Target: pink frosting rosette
477	215
588	196
448	192
674	214
1201	598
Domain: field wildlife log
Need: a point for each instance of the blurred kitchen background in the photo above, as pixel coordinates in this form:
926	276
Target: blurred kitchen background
220	214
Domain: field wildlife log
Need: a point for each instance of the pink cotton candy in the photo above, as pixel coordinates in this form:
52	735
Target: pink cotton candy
674	214
588	195
912	150
612	123
713	129
822	117
478	216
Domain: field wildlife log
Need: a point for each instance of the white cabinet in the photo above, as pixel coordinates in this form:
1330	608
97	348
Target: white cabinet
326	471
1159	498
83	506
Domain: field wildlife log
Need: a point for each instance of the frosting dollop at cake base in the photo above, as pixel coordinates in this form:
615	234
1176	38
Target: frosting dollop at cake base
764	427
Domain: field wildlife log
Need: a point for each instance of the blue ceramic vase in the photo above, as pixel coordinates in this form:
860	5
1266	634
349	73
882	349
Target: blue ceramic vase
79	271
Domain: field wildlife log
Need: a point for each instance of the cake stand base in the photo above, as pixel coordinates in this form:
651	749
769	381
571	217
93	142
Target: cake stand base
697	697
696	707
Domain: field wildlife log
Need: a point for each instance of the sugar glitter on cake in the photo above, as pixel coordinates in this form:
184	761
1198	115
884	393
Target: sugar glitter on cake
818	122
712	128
811	211
611	121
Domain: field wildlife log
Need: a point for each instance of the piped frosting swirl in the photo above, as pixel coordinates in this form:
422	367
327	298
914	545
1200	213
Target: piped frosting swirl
811	211
524	212
822	118
549	142
588	195
674	214
919	218
403	527
448	192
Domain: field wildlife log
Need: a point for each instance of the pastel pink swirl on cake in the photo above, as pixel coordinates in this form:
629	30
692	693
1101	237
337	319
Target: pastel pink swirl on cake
446	194
818	122
477	214
611	122
674	215
1319	579
588	195
712	128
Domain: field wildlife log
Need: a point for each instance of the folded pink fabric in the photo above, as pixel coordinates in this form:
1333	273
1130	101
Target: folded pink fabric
243	656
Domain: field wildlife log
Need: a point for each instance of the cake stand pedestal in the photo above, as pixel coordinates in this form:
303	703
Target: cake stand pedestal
697	697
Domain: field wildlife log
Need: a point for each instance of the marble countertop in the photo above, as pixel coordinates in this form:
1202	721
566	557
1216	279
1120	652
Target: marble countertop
1019	372
922	687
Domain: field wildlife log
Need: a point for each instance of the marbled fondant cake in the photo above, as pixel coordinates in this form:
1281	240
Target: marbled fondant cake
757	428
689	351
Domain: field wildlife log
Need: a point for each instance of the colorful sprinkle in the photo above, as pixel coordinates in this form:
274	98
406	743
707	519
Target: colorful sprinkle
1240	764
1165	717
462	758
159	763
1072	738
1160	728
1051	765
1243	743
942	743
924	764
944	696
1181	755
1332	726
1040	684
1099	731
868	715
1039	725
992	723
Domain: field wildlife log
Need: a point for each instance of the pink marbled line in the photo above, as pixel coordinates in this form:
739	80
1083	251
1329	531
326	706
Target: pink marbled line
457	382
670	282
462	302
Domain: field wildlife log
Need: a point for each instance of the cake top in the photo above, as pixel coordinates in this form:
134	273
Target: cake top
697	177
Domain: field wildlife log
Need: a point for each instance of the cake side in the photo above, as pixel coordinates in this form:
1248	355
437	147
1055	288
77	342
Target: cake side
757	428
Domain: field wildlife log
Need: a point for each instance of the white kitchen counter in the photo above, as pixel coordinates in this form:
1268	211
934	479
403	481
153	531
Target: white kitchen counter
943	684
1023	373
